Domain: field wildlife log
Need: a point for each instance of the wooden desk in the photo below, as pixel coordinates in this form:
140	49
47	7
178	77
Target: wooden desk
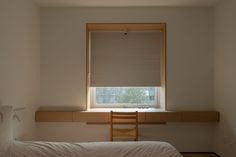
144	117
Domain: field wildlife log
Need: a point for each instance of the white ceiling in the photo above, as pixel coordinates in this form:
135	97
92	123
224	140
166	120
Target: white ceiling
124	3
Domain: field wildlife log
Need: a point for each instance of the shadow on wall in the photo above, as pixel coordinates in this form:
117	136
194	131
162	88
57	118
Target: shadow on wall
6	123
17	123
24	126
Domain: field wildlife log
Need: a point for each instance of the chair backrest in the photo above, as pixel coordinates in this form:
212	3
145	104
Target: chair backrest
123	118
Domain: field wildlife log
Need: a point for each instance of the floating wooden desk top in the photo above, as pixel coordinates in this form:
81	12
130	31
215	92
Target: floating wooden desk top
146	117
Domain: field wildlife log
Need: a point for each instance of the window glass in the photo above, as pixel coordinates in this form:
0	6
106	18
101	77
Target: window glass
125	96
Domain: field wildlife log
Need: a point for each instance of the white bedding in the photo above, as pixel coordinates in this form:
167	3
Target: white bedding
93	149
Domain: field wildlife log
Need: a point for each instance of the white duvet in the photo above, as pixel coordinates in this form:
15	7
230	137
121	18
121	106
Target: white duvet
93	149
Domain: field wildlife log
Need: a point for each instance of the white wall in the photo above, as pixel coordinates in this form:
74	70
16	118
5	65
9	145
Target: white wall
190	70
20	61
225	76
189	48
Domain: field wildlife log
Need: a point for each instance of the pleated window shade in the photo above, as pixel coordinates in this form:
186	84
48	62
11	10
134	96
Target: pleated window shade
119	60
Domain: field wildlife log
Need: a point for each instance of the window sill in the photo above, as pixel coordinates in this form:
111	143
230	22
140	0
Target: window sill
126	109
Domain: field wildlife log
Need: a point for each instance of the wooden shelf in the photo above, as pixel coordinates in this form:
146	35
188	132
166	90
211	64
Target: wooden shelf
161	117
53	116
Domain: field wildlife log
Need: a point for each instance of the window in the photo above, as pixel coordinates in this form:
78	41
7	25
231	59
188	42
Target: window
126	65
125	97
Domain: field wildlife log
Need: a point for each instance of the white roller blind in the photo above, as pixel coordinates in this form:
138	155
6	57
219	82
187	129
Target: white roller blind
125	60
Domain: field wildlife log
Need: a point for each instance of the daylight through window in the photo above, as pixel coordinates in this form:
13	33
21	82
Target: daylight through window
141	97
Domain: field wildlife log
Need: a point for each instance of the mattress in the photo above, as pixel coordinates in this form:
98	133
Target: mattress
90	149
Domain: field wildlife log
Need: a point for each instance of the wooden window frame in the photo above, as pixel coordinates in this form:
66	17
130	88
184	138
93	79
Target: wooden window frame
130	27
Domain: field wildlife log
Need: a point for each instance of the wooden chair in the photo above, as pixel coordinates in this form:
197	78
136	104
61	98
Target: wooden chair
124	125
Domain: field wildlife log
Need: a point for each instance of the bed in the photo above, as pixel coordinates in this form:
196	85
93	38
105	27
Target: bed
13	148
91	149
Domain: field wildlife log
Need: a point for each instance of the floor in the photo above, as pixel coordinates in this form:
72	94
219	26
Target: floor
199	155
